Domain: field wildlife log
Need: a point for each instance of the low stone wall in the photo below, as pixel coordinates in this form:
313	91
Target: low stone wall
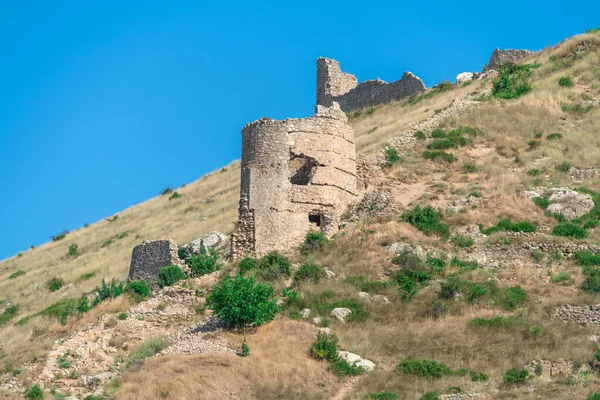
499	57
150	256
583	315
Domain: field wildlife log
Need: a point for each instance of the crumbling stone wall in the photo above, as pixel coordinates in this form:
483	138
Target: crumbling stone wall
335	85
150	256
297	175
499	57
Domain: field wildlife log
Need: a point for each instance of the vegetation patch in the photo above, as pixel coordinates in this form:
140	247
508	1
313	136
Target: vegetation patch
497	322
569	229
322	303
513	80
508	225
310	271
205	262
462	241
85	276
439	156
566	82
16	274
325	347
439	88
314	241
554	136
414	273
9	313
428	220
575	108
170	275
488	292
432	369
271	267
60	236
365	284
138	288
145	350
391	156
516	376
54	284
242	302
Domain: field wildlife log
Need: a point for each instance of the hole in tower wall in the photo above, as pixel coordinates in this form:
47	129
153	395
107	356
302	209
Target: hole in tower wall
316	219
302	169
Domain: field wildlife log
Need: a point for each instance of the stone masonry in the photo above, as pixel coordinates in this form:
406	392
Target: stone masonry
343	88
298	175
150	256
499	57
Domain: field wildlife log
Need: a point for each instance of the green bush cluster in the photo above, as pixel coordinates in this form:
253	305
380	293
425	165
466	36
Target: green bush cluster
309	271
322	303
420	135
325	347
590	262
497	322
242	302
16	274
205	262
314	241
392	156
513	80
574	108
107	291
432	369
9	313
508	225
138	287
73	250
569	229
554	136
35	392
54	284
428	220
438	155
145	350
383	396
170	275
462	241
174	196
365	284
507	298
516	376
414	273
271	267
60	236
566	81
562	277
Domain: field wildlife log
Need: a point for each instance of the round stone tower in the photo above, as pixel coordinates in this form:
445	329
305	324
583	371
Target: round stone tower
298	175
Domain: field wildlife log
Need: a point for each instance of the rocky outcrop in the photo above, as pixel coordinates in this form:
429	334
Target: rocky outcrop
500	57
341	313
378	203
464	77
579	175
563	201
356	360
212	240
582	315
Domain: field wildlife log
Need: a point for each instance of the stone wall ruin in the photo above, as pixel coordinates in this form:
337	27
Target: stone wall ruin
298	175
499	57
343	88
150	256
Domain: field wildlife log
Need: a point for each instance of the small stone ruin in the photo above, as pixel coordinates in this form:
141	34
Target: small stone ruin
500	57
150	256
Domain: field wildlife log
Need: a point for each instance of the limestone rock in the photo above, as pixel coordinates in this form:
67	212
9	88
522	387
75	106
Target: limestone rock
341	313
305	313
329	274
569	203
396	248
316	320
356	360
464	77
500	57
212	240
378	203
380	298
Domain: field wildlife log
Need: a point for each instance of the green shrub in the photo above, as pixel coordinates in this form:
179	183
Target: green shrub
342	368
424	368
443	86
436	265
83	305
438	134
597	30
569	229
325	347
588	258
428	220
591	282
462	241
563	167
174	196
60	236
274	266
54	284
170	275
420	135
248	264
512	81
122	316
35	392
144	350
16	274
534	172
241	301
392	156
383	396
9	313
245	348
542	202
139	287
595	395
516	376
204	262
563	276
314	241
508	225
85	276
166	191
431	395
496	322
441	144
61	310
309	271
438	155
105	292
565	81
512	297
73	250
554	136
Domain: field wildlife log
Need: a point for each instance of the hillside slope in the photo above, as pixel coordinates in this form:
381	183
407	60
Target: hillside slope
546	138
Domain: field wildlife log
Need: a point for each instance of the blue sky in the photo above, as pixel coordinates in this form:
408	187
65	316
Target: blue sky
103	104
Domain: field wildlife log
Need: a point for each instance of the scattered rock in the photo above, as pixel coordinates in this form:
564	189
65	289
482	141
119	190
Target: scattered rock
471	231
305	313
396	248
356	360
363	295
341	313
563	201
464	77
579	175
326	331
381	298
379	203
329	274
212	240
316	320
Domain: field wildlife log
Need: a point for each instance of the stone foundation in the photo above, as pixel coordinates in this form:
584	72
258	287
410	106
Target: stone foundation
150	256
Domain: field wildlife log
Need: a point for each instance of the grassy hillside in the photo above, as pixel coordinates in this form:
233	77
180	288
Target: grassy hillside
522	143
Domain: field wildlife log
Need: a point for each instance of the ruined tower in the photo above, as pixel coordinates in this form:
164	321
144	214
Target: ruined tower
298	175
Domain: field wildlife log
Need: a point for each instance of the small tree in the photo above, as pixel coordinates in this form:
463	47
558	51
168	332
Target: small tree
34	393
242	302
245	348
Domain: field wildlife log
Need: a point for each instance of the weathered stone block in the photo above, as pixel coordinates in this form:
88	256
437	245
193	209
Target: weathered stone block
150	256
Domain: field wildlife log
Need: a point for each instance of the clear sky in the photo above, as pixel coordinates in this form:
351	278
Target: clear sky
104	103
